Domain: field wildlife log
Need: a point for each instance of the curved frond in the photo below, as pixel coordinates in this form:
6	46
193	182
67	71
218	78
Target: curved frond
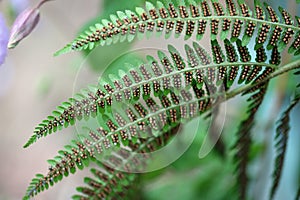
161	110
281	138
243	143
74	156
118	179
160	77
138	109
190	19
79	154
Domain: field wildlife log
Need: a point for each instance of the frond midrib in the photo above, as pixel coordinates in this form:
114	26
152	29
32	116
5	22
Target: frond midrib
226	96
173	73
204	18
241	89
209	18
187	69
240	18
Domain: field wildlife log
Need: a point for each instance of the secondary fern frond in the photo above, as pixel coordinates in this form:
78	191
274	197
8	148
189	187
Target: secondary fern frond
119	174
190	19
244	141
281	138
74	156
79	154
160	77
107	184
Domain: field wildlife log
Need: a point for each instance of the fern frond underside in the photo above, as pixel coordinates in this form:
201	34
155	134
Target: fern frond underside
281	138
152	98
191	19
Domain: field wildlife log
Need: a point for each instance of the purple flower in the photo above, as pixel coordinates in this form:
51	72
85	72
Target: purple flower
4	35
24	24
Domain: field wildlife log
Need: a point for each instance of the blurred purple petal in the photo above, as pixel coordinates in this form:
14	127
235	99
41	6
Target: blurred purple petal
4	35
23	26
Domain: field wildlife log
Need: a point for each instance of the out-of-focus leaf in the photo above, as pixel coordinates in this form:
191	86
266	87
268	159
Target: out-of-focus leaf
44	86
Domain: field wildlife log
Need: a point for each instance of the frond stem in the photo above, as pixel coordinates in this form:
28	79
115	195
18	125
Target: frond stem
223	96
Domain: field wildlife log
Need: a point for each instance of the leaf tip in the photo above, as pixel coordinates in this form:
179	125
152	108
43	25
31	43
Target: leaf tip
64	50
30	141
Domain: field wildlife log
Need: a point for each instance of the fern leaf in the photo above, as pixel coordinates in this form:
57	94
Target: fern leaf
79	154
137	109
159	77
122	175
75	156
282	134
110	184
243	142
151	115
190	20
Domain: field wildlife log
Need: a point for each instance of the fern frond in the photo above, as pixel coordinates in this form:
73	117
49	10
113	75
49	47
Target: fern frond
74	156
281	138
154	113
190	19
139	108
122	175
107	184
243	143
80	154
160	77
